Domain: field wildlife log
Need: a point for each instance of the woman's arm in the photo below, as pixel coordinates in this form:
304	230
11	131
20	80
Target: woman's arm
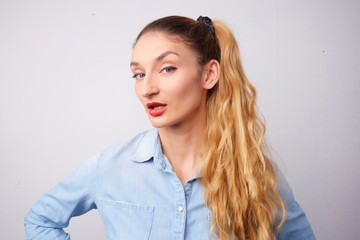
71	197
296	225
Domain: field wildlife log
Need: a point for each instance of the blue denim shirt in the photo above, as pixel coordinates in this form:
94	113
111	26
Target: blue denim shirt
138	196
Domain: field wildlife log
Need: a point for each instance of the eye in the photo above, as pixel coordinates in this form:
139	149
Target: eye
169	69
138	75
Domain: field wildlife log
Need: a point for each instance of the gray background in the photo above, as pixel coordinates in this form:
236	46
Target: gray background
66	92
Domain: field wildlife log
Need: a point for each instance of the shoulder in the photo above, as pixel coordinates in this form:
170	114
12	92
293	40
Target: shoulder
283	187
125	147
139	145
296	225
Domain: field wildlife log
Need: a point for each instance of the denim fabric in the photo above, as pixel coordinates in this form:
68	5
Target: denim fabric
138	196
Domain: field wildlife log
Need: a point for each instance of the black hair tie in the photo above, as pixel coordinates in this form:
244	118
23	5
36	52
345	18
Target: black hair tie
207	21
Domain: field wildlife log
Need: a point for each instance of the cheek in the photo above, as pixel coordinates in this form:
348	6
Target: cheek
186	82
186	91
137	91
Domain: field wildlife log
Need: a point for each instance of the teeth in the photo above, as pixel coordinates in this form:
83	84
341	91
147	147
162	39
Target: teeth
157	106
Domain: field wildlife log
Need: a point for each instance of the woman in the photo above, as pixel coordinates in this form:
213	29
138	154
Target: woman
202	172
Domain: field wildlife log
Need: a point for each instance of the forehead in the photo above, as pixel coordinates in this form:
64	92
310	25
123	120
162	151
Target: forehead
152	44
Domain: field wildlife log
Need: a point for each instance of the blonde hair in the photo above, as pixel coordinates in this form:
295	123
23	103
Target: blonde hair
237	176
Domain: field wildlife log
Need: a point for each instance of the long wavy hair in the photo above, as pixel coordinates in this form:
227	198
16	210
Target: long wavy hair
238	179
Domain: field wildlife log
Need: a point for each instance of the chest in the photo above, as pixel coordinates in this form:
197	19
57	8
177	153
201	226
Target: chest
151	204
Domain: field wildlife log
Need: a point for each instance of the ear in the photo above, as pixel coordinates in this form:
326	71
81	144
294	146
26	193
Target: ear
211	74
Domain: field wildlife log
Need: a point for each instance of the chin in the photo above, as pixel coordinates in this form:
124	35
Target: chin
160	123
157	123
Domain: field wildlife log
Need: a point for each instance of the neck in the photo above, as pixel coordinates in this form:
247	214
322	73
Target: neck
181	145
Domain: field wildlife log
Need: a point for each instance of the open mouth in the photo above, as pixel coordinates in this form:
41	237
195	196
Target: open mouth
155	105
156	108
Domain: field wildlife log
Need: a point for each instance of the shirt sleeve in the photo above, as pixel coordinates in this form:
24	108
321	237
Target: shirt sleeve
296	225
71	197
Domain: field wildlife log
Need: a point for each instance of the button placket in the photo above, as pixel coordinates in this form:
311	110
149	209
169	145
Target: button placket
180	208
180	214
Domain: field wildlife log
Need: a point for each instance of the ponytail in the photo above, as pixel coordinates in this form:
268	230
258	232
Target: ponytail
237	176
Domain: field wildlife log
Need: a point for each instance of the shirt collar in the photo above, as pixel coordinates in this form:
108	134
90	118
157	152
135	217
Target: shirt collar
150	149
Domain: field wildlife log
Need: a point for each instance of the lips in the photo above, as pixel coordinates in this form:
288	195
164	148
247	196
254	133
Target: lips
156	108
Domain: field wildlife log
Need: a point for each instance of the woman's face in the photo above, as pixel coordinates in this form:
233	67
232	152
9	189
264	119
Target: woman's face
168	80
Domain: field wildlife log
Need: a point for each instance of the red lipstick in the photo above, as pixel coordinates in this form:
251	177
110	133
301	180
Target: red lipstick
156	108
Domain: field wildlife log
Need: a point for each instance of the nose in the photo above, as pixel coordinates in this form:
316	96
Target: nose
149	86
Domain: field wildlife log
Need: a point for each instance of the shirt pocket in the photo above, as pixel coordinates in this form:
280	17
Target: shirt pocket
124	220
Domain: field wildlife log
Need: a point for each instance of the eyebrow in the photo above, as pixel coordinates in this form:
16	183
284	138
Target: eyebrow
159	58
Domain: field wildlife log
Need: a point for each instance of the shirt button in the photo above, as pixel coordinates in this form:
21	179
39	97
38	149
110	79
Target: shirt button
180	209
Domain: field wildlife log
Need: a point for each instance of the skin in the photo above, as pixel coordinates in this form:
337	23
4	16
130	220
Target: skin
166	70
